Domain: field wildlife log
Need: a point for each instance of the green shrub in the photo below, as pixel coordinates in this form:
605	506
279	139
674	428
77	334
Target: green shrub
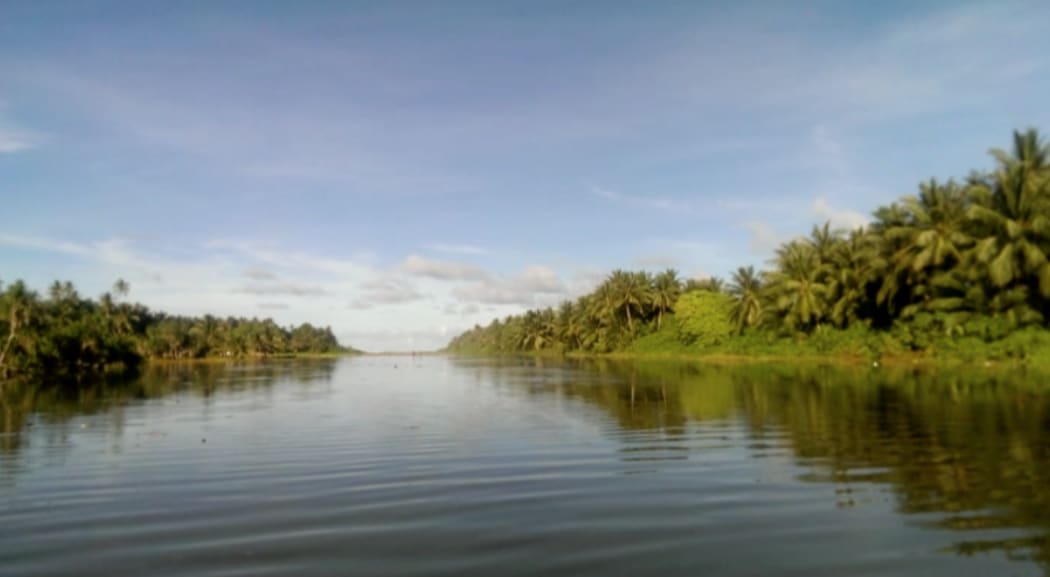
702	318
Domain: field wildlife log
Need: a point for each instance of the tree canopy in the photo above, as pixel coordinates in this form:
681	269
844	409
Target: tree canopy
63	333
961	257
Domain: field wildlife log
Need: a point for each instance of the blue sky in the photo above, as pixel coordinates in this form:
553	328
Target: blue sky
401	171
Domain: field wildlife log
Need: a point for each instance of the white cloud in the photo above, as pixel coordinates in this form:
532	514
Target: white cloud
584	281
12	141
839	218
257	273
396	339
281	288
47	245
762	237
278	257
274	306
467	309
536	285
442	270
539	279
387	290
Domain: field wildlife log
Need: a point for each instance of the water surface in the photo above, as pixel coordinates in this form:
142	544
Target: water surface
460	466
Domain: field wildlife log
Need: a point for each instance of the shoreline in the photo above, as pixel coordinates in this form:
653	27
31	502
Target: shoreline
253	358
730	359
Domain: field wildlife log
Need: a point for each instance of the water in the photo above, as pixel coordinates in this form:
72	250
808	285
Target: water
446	466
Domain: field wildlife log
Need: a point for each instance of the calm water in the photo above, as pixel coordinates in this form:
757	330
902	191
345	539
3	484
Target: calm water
444	466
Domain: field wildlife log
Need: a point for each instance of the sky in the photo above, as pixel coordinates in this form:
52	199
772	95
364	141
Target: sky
401	171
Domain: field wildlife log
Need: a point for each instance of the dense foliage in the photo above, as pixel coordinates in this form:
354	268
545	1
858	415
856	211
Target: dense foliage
65	334
960	265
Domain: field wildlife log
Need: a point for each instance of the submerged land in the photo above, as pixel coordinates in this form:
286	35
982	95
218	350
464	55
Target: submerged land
958	272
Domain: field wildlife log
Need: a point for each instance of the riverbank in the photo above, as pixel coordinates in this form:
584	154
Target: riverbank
250	358
950	354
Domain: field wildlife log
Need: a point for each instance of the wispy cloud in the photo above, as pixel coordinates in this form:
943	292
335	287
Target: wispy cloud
387	290
442	270
256	273
47	245
537	284
639	201
763	238
281	288
839	218
12	141
276	256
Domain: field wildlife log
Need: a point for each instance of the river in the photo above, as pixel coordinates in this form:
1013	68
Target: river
436	465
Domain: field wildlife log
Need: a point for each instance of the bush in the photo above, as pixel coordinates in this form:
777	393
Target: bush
702	318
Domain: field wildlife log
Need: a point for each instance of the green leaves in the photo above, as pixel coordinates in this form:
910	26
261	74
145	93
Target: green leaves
976	248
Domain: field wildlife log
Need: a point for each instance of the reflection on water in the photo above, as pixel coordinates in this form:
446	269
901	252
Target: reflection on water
971	445
529	466
53	403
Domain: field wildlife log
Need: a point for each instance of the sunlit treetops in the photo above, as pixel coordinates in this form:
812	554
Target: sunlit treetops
959	257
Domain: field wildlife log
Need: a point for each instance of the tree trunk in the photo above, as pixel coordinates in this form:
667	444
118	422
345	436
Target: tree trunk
10	340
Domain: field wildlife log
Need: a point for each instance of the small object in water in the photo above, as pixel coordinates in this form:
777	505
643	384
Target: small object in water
204	440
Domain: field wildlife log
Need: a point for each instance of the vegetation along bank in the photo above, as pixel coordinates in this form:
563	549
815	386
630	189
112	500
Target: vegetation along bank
958	271
63	334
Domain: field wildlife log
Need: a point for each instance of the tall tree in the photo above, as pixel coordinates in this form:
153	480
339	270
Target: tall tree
1012	214
665	292
746	289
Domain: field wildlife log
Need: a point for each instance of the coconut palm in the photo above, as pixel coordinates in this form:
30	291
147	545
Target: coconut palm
848	276
824	240
796	287
929	239
1011	214
712	284
16	307
746	288
630	293
665	292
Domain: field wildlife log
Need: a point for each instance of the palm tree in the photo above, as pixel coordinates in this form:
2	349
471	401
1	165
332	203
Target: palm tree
665	292
1011	214
746	288
712	284
928	238
824	240
630	292
17	304
848	276
569	325
121	288
796	288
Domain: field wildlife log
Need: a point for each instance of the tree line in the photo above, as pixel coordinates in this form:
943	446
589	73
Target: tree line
965	258
63	333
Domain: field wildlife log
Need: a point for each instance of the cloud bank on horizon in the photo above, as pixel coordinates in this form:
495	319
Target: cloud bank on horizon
402	171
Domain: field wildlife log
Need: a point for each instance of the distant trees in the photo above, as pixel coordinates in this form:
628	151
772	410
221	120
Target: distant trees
67	334
957	258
